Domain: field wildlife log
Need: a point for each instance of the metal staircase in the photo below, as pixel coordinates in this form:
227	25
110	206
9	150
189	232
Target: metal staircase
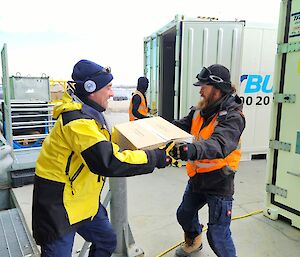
15	240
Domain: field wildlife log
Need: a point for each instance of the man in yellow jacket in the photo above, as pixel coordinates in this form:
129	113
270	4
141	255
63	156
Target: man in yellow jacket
212	159
74	160
138	107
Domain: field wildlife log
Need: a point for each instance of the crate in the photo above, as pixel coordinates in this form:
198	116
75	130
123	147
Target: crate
22	177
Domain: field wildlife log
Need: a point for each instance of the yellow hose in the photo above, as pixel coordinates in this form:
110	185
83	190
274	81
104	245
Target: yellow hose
205	228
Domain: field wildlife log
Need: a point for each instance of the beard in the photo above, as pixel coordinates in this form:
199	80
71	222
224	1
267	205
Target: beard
207	101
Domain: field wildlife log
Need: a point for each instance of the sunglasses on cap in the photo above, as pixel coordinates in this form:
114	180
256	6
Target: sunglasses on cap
205	76
103	70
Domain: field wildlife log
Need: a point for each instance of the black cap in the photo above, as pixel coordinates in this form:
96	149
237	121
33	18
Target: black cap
216	75
142	85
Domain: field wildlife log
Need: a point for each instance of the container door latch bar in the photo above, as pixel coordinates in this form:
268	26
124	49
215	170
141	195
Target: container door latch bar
276	190
275	144
284	98
288	47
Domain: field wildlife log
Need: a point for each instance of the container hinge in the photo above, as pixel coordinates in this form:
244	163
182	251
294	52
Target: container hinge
288	47
298	143
284	98
276	190
275	144
296	174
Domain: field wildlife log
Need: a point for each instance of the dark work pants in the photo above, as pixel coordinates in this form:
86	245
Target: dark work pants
98	231
218	233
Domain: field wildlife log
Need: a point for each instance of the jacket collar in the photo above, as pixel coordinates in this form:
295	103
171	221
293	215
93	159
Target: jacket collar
93	113
226	103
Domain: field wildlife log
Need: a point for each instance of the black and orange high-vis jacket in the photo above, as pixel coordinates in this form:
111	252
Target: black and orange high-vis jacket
142	109
217	142
71	168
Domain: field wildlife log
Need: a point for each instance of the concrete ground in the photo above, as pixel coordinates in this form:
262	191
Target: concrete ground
155	227
154	198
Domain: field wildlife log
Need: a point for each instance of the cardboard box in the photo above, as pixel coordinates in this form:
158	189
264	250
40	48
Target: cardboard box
149	133
56	95
56	91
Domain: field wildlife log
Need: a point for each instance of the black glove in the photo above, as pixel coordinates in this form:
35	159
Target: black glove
183	151
162	159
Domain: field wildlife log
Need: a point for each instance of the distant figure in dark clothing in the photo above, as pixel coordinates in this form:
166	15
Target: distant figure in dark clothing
138	108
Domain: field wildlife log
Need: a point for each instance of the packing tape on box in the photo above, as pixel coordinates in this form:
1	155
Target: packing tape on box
146	126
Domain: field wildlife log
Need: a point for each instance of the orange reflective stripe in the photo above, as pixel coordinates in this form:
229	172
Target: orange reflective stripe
203	166
143	109
233	159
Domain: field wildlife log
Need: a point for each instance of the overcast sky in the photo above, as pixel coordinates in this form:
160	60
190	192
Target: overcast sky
51	36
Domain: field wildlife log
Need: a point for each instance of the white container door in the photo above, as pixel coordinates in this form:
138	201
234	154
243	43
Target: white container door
256	82
283	182
151	59
205	43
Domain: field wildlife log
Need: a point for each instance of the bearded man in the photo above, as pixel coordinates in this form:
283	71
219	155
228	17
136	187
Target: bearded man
212	159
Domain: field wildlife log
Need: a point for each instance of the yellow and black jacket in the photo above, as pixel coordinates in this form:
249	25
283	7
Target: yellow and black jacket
217	143
74	160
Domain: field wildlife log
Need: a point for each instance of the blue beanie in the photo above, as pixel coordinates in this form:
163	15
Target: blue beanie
90	77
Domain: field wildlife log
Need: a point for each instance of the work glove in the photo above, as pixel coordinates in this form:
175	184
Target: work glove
153	112
162	159
183	151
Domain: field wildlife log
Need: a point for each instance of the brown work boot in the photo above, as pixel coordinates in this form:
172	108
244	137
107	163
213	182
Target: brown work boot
189	246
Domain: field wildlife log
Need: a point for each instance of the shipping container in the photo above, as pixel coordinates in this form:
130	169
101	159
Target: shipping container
175	54
283	173
255	87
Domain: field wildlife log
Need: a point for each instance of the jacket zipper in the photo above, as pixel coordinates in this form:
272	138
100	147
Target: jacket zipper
69	163
76	174
72	179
